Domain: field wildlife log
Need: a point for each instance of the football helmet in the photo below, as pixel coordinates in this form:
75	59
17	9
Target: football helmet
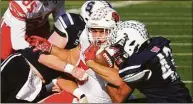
129	36
89	6
103	18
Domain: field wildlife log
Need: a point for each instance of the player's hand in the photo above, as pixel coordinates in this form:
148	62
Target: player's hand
40	44
57	89
79	74
90	52
117	53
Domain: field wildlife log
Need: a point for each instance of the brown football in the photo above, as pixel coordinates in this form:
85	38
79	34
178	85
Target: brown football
103	58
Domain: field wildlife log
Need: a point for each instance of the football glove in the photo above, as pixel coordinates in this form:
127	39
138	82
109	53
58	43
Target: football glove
40	43
90	52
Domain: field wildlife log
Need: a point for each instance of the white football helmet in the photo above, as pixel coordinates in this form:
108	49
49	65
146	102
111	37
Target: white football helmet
130	35
103	18
89	6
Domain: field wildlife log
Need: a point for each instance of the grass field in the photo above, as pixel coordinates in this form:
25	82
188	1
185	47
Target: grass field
170	19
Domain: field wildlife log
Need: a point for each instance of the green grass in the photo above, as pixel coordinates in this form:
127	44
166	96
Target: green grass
182	49
162	18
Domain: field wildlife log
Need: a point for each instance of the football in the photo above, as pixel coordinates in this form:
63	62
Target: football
104	58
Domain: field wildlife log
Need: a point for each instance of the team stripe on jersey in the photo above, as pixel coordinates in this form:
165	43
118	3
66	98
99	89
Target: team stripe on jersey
129	68
70	18
137	76
66	19
62	22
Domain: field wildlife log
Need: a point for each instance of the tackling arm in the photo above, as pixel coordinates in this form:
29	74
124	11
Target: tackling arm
52	62
69	56
111	75
119	94
18	16
55	62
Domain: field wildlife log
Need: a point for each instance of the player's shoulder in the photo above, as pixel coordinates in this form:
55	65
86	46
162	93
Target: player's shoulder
21	8
148	50
77	17
69	22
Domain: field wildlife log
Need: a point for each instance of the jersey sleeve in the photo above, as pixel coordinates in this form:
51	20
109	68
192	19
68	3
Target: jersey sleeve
71	26
18	10
18	16
18	31
134	73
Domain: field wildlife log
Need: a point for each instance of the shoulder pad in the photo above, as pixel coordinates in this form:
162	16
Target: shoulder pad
68	22
18	10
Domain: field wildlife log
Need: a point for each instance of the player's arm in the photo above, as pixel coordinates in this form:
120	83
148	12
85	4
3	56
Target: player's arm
44	45
52	62
69	85
111	75
63	54
119	94
55	62
18	25
18	31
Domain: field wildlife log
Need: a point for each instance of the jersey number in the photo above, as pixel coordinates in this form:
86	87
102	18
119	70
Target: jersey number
167	62
30	6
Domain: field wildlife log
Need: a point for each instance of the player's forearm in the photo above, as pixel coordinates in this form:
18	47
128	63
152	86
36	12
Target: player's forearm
52	61
111	75
119	94
19	43
60	53
68	85
18	34
112	92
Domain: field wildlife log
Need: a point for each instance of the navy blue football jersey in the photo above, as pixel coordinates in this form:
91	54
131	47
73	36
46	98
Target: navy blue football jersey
152	71
70	25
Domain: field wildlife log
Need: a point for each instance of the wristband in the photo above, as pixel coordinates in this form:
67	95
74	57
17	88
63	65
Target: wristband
54	81
69	68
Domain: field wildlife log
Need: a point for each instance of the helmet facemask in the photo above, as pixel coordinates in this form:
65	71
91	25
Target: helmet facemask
99	36
102	21
128	36
120	55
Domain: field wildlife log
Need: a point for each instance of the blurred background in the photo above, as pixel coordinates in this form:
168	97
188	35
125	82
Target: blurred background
170	19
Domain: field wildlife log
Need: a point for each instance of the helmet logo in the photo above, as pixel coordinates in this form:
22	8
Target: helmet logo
115	16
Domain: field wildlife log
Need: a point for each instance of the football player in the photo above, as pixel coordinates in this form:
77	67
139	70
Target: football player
144	63
74	24
69	26
97	31
25	18
67	30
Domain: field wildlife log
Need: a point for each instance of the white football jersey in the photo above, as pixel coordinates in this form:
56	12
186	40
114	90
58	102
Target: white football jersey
34	12
94	88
